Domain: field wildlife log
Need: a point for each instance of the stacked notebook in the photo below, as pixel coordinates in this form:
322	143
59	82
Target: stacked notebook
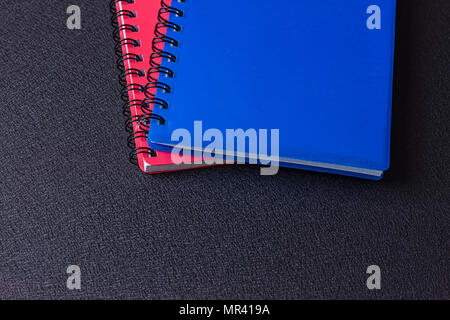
303	84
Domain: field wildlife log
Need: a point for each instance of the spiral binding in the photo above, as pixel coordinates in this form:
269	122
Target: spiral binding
156	70
146	105
124	73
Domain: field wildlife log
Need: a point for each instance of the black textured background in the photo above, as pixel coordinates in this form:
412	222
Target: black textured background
69	195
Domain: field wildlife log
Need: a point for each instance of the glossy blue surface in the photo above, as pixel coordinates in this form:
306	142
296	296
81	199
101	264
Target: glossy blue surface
312	69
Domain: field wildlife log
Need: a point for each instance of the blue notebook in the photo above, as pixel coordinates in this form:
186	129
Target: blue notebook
316	75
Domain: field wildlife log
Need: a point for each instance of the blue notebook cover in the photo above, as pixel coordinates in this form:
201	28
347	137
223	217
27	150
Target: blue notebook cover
319	71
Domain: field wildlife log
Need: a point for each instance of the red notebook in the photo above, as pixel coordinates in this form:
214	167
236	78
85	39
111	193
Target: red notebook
134	22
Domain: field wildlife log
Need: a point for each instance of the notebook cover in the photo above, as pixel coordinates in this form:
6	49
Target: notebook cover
146	17
312	69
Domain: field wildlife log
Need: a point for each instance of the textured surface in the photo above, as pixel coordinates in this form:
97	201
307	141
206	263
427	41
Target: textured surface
69	196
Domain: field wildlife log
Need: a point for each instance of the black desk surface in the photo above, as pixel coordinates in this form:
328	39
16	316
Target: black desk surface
69	196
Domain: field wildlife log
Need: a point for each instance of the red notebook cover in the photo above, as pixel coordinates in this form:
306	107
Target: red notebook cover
134	22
